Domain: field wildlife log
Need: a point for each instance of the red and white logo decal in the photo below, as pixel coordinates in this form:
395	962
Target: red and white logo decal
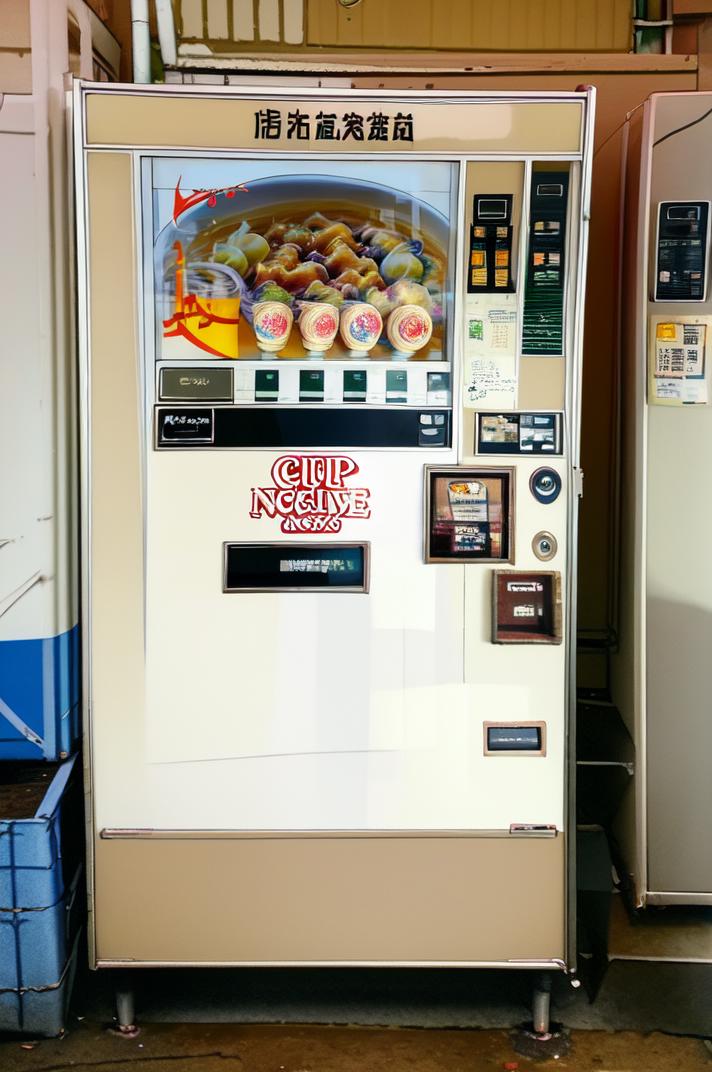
310	493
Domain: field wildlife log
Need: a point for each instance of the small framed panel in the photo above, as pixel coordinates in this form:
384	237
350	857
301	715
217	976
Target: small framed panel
195	385
184	426
518	433
296	567
515	738
681	251
526	607
469	514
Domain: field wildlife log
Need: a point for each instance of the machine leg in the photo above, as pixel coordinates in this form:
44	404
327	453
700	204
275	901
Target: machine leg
541	1039
126	1011
541	1006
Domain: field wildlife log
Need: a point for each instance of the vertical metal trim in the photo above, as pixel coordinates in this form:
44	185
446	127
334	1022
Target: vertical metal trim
142	190
84	387
50	709
522	266
640	580
572	433
457	312
457	373
614	527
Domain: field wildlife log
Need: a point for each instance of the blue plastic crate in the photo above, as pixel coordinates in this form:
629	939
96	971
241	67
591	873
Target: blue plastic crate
35	943
39	697
40	1010
39	853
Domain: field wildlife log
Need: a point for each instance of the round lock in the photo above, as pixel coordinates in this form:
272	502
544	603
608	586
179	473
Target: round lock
545	485
544	546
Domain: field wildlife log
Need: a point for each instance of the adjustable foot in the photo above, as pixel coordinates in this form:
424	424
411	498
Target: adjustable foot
541	1039
125	1021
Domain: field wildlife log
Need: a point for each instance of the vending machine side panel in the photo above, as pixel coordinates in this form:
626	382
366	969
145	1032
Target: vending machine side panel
628	663
661	675
678	508
39	634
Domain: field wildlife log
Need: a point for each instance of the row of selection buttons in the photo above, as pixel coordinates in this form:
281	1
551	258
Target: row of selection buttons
415	387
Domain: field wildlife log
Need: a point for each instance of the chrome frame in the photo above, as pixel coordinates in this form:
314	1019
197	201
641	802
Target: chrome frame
557	452
468	472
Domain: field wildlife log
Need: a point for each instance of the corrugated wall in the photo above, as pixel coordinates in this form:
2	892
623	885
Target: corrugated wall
478	25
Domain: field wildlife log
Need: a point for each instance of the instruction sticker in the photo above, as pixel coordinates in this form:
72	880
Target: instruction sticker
677	366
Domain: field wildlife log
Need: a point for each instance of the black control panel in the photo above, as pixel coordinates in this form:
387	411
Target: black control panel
490	266
543	320
226	427
681	255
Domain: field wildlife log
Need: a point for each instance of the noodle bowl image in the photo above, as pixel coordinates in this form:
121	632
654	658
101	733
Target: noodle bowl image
297	241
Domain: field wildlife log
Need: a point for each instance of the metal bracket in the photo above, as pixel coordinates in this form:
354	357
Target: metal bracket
578	481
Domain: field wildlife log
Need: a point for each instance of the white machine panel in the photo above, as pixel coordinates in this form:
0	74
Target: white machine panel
346	596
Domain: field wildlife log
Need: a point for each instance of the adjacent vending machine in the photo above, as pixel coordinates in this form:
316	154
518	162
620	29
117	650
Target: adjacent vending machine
663	679
330	367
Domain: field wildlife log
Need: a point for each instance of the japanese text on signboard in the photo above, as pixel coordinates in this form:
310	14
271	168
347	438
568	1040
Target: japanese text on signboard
271	125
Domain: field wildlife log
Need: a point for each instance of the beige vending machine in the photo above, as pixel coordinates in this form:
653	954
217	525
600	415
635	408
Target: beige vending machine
330	367
663	673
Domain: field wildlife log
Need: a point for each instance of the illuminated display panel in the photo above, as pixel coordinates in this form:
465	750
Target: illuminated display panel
232	235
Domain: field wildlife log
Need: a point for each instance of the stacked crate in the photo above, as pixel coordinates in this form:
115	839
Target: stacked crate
41	893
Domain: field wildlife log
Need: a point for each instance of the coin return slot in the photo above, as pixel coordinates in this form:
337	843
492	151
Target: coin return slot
289	567
524	738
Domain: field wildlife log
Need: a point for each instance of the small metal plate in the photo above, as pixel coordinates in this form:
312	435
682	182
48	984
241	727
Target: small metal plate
195	385
184	426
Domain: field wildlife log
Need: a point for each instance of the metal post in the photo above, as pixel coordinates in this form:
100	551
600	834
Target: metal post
126	1012
541	1006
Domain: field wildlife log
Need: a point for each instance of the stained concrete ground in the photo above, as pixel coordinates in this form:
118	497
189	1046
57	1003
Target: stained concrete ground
223	1048
646	1017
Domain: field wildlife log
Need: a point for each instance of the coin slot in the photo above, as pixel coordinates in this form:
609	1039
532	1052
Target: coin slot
544	546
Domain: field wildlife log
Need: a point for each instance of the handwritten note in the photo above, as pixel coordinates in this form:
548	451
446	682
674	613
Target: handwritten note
490	348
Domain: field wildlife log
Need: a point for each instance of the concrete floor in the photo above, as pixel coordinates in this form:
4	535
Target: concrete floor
224	1048
636	996
410	1021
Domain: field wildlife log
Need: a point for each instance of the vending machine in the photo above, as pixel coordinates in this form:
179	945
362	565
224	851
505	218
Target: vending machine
330	374
662	673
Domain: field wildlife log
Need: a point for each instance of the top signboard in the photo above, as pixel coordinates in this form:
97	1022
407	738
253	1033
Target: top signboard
336	123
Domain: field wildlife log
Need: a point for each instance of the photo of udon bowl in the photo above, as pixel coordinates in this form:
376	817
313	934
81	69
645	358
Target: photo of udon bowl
297	240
